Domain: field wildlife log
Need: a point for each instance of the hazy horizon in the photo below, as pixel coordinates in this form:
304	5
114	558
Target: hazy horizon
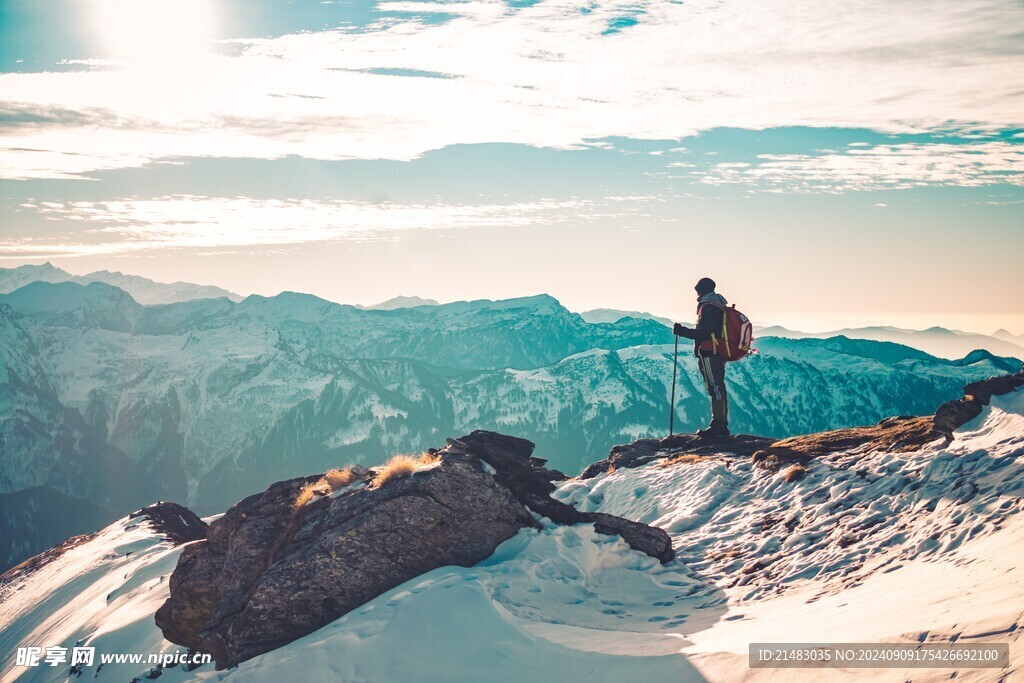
808	324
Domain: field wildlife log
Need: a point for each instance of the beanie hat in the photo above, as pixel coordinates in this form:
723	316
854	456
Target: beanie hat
705	286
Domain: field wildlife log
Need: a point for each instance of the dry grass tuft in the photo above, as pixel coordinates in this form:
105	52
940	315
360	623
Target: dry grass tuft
329	483
306	494
766	461
429	458
398	466
339	479
686	459
794	473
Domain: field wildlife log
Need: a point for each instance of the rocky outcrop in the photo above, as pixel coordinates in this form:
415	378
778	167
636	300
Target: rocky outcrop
899	434
176	522
644	451
531	484
276	567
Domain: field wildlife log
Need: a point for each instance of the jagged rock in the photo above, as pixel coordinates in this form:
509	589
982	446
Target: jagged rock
177	523
531	483
644	451
271	571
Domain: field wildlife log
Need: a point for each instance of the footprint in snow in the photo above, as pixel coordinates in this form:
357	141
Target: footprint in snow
398	598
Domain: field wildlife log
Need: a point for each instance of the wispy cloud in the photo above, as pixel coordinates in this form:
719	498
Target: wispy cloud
882	167
550	74
134	225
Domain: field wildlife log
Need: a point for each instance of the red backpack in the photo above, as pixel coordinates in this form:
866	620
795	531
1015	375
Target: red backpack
733	343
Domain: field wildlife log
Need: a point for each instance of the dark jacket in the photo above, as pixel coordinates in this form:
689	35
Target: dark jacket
710	312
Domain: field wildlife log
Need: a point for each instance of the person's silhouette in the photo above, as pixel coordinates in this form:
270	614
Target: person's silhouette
710	319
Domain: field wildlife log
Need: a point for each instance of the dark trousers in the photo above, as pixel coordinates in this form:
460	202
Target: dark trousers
712	369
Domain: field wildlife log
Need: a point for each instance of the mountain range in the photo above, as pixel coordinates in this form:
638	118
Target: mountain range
142	290
107	404
401	302
937	341
611	315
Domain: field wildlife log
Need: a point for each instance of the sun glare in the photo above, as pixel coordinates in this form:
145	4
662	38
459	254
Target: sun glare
153	30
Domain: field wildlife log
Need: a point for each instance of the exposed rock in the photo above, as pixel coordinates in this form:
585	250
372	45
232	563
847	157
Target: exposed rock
531	483
644	451
271	571
176	522
900	434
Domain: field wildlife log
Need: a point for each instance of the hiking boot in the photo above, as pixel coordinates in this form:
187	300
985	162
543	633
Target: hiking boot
715	430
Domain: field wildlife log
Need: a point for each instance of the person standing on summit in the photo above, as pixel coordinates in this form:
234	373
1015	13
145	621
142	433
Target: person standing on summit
707	338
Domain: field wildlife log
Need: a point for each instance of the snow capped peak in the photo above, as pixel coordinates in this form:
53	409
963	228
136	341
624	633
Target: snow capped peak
983	357
46	267
540	304
401	302
611	315
15	278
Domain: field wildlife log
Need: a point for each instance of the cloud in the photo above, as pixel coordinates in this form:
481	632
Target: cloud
551	74
882	167
196	222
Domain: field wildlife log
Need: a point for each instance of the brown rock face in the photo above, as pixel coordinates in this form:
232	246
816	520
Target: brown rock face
270	572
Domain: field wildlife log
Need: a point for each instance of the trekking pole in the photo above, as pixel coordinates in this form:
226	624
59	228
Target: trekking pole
672	402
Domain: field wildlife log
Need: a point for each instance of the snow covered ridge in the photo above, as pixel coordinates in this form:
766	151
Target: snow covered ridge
870	545
851	512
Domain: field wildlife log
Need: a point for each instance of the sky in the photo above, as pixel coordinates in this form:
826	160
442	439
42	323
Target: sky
827	163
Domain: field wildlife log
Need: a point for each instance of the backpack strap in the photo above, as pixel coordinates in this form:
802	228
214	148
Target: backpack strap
725	331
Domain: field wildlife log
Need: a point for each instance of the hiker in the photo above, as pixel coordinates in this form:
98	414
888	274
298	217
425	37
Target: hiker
705	336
